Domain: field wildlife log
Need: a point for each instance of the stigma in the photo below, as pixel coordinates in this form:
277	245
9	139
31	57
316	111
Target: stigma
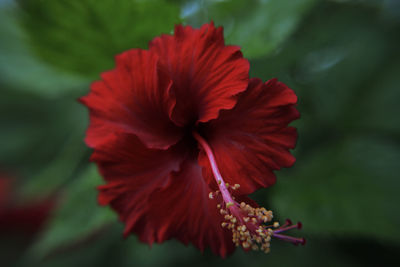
252	227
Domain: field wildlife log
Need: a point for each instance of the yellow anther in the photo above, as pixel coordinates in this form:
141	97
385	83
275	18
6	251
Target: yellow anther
258	235
218	206
245	245
219	181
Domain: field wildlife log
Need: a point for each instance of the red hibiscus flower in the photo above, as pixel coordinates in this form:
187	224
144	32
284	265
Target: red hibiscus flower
182	136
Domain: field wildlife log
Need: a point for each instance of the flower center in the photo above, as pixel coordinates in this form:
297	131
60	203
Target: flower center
248	224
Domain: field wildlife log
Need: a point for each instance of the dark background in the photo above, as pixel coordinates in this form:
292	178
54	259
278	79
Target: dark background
342	58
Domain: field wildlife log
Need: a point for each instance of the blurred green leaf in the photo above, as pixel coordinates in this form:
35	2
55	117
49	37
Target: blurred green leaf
379	109
77	217
347	188
259	27
332	60
84	36
55	174
41	140
36	119
21	70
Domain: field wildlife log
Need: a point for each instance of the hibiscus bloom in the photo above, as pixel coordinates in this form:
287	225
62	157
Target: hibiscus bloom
181	136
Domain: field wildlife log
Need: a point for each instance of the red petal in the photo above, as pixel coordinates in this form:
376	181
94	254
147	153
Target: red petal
158	200
253	139
206	74
133	98
132	169
182	210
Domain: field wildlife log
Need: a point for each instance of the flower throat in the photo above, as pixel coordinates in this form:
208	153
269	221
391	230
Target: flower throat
248	224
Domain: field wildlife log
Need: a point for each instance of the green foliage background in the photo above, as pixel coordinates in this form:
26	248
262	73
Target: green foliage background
341	57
